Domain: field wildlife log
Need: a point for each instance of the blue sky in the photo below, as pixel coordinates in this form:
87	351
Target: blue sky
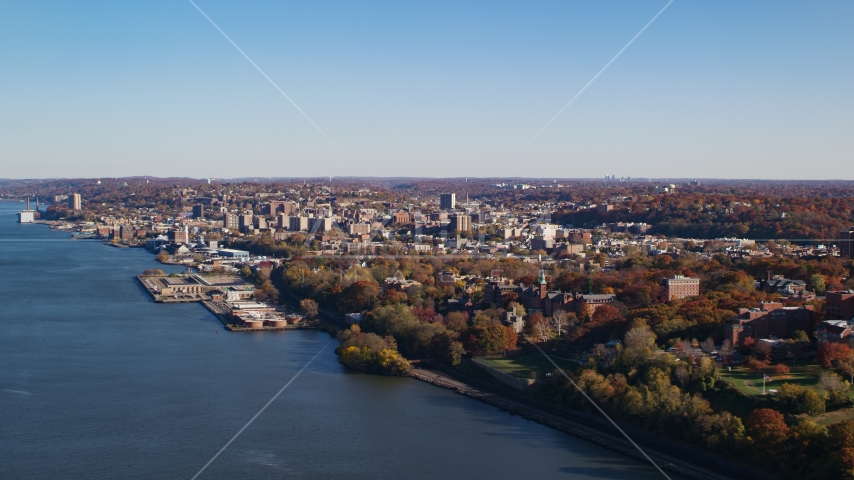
724	89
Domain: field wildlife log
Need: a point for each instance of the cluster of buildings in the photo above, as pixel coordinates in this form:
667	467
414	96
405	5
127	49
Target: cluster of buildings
331	222
75	204
838	325
227	296
194	287
538	298
771	320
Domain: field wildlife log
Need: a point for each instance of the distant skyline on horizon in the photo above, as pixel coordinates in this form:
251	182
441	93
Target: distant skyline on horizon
710	91
473	179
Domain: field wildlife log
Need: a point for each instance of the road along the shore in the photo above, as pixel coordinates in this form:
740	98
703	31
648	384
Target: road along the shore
680	459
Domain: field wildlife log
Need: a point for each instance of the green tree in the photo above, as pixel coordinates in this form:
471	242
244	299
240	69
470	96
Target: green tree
817	284
395	320
455	353
796	399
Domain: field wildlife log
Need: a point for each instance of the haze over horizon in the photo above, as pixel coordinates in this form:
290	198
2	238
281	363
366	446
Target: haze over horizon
717	90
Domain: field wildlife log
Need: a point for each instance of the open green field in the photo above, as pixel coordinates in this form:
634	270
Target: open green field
836	416
527	367
750	382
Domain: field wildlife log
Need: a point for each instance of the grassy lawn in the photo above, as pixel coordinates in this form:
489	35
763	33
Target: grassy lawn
750	382
526	367
834	417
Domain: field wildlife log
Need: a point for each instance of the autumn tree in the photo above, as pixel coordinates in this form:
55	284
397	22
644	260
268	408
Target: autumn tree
756	365
781	369
359	296
830	351
455	353
834	387
846	366
456	321
638	343
560	320
309	308
767	427
763	351
538	327
726	347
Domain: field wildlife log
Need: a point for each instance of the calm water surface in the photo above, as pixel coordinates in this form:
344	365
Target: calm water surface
98	382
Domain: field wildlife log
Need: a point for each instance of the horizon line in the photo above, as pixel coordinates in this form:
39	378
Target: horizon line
326	179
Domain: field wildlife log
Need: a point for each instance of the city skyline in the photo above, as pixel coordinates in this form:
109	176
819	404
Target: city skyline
723	91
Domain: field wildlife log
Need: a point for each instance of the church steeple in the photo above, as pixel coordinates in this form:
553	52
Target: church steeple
544	287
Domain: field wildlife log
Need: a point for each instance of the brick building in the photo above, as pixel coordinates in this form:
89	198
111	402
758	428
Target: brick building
680	287
771	319
402	218
459	223
839	305
493	290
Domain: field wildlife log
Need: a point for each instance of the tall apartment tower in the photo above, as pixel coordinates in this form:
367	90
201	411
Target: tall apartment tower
75	202
459	223
846	243
198	211
230	221
448	201
246	221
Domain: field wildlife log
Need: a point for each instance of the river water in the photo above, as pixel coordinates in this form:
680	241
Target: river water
99	382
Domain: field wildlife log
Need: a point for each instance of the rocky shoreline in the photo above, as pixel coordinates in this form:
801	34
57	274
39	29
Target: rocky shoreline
605	439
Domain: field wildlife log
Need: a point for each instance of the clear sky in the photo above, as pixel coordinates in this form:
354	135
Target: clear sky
723	89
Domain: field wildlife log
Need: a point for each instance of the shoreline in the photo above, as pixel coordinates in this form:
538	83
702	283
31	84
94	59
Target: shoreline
706	465
591	430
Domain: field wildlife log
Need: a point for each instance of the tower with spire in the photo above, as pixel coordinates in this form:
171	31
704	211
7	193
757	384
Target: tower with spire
544	286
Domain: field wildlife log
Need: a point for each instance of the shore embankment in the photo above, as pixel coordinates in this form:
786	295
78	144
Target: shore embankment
671	456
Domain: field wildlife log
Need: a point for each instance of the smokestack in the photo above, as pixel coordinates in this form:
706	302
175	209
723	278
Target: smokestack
28	203
768	275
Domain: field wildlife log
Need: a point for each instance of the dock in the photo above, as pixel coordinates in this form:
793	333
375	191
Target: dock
227	297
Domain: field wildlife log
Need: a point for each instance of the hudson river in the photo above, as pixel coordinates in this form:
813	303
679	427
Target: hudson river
99	382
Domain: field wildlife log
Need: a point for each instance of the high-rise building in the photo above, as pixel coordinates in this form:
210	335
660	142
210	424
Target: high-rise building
846	243
75	202
459	223
198	211
246	221
298	224
448	201
230	221
289	208
321	224
126	232
179	235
